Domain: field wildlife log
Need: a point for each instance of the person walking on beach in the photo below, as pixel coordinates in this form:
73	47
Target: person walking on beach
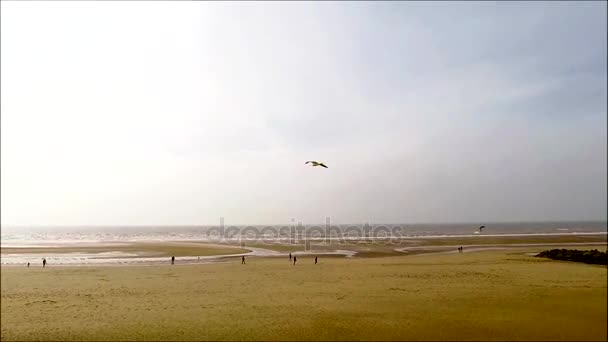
294	259
243	260
315	260
173	260
43	262
28	264
289	256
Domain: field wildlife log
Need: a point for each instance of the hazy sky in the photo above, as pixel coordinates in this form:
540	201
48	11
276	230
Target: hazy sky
185	112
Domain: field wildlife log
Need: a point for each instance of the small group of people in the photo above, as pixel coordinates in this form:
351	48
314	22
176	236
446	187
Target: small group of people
43	263
295	259
460	249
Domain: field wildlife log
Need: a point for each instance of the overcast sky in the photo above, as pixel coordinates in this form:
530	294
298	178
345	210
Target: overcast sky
185	112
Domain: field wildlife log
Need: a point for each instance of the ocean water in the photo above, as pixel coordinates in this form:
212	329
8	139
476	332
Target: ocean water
60	236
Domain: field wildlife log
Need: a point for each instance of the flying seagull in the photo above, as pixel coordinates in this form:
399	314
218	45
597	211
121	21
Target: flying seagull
314	163
481	228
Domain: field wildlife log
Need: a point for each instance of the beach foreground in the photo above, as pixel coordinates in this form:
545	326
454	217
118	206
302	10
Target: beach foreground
487	295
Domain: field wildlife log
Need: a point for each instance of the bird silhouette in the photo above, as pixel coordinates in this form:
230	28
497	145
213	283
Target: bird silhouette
314	163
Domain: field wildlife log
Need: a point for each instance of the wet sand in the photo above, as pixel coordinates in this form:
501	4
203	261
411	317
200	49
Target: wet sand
154	252
119	253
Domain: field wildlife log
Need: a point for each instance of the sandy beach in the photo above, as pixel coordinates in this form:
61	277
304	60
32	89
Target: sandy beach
437	169
504	294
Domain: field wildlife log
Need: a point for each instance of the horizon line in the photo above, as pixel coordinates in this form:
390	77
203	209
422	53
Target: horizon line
292	223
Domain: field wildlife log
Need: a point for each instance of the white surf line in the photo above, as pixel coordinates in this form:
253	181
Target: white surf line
93	243
478	248
299	240
476	235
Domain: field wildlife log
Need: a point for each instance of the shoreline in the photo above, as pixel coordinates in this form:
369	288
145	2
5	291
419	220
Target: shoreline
65	256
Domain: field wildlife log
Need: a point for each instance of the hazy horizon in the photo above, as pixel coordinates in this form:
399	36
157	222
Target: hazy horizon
179	113
318	223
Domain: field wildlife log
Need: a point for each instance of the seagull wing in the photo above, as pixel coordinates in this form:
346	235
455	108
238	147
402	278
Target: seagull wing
321	164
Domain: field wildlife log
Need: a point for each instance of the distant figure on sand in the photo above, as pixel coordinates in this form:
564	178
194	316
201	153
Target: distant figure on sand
173	260
294	259
315	260
28	264
43	262
289	256
243	260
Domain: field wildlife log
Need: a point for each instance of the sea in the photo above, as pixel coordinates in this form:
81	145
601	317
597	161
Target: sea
30	236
